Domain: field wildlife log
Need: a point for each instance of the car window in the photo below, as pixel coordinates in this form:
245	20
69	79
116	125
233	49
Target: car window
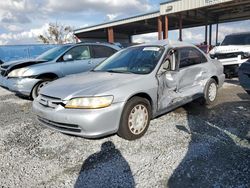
79	53
137	60
53	53
102	51
191	56
241	39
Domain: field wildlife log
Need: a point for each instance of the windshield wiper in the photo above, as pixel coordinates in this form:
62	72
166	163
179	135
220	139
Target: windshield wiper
117	71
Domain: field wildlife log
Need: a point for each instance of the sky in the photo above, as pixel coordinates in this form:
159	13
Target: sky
21	21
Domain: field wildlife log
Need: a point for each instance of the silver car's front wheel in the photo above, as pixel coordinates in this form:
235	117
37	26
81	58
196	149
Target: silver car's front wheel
138	119
38	87
135	118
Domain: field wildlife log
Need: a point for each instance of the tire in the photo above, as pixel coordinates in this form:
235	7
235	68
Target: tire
37	87
129	119
211	92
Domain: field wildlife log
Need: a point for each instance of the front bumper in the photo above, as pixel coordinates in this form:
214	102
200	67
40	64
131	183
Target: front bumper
22	86
89	123
232	61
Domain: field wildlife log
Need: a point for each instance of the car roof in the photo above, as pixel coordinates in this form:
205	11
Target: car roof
168	43
99	43
240	33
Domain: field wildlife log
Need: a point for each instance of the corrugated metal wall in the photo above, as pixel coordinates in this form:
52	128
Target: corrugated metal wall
182	5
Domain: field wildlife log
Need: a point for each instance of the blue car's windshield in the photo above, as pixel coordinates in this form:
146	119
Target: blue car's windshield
137	60
53	53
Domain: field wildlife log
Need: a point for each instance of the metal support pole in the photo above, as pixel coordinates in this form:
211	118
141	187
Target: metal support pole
130	38
159	28
206	28
206	33
210	34
180	27
111	35
165	36
217	32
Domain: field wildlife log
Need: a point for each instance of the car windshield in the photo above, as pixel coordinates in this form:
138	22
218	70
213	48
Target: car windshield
53	53
137	60
243	39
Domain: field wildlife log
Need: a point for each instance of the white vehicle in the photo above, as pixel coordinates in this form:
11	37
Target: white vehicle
232	52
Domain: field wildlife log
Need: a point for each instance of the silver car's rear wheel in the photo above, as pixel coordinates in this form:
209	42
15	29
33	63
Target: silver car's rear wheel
138	119
135	118
211	91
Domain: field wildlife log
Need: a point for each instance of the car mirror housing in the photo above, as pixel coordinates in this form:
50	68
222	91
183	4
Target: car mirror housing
67	57
164	67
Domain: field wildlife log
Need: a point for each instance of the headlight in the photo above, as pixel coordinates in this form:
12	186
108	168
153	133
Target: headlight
90	102
17	72
212	56
246	55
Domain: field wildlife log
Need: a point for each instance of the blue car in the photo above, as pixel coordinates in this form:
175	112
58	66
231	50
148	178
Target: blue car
27	77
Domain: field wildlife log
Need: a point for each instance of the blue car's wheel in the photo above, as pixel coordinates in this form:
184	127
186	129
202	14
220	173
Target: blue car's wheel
38	87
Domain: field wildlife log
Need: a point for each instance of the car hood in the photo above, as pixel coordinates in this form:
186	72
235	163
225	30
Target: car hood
230	49
87	84
21	63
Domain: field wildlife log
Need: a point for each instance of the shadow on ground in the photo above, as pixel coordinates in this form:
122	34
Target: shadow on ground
232	81
106	168
219	151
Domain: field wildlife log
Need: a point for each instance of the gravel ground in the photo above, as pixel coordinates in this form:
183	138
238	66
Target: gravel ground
193	146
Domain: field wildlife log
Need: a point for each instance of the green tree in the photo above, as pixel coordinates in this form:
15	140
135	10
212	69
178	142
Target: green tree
57	34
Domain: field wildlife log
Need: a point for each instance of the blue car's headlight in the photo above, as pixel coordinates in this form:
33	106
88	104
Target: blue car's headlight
18	72
90	102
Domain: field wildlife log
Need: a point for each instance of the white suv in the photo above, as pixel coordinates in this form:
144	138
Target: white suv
232	52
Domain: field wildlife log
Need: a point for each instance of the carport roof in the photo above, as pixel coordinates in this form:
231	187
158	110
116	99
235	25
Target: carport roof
192	13
133	19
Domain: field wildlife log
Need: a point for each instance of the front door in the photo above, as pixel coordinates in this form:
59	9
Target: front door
80	60
168	82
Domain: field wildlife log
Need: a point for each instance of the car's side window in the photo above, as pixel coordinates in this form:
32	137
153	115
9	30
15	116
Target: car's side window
102	51
79	53
190	56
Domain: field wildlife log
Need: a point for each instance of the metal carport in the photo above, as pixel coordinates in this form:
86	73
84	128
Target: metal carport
174	14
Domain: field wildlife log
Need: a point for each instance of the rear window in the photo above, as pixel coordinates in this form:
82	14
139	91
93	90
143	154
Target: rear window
102	51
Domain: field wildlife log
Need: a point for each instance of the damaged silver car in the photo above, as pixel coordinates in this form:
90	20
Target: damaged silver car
127	90
27	77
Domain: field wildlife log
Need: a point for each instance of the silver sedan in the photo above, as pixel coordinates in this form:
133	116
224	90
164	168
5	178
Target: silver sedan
127	90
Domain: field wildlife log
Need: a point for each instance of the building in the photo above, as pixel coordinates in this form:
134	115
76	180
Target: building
173	14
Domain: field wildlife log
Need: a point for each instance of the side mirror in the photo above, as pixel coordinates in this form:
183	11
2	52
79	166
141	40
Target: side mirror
164	67
217	44
67	57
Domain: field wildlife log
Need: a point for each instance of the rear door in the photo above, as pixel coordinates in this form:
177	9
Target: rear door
80	62
193	71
